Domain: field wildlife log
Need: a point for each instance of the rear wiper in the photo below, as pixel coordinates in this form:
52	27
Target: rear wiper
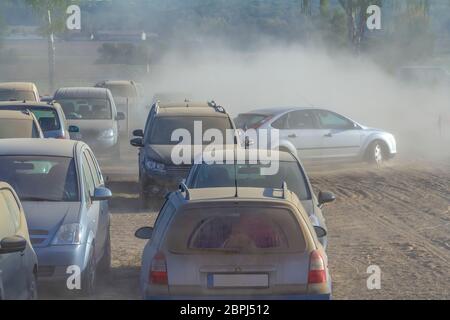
38	199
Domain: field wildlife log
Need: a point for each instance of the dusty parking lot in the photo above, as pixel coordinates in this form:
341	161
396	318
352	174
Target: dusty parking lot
396	217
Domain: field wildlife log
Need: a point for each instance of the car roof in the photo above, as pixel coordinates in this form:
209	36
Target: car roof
81	92
189	109
38	147
116	82
15	114
276	110
29	104
246	154
17	85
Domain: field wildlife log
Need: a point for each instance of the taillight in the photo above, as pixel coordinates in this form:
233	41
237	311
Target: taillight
158	269
317	272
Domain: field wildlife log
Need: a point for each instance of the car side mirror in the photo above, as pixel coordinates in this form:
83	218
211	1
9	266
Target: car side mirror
101	194
326	197
137	142
13	244
321	232
144	233
120	116
138	133
74	129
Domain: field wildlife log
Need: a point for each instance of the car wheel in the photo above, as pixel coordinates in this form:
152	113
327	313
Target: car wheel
376	153
33	293
89	277
105	264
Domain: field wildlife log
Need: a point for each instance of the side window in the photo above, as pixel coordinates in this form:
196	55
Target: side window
7	224
35	131
166	212
97	168
301	120
281	123
88	180
13	207
93	168
331	120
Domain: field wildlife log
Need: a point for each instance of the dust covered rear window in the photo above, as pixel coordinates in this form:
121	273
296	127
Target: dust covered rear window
235	230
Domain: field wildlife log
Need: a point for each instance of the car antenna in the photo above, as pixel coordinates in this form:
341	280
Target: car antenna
235	167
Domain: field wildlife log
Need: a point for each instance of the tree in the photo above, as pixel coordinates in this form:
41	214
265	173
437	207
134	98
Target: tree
52	16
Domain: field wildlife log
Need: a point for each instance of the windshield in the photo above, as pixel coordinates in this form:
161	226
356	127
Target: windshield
40	178
16	95
249	120
163	127
86	109
249	175
17	128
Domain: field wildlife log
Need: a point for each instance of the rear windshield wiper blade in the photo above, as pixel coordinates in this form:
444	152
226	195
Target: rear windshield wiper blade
38	199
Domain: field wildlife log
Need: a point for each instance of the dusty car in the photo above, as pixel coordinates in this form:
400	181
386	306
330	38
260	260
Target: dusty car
19	91
94	112
157	172
315	134
62	191
247	173
127	99
50	116
19	124
18	261
233	243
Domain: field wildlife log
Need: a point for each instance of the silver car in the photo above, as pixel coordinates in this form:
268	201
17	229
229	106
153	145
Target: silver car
234	243
208	174
62	191
319	134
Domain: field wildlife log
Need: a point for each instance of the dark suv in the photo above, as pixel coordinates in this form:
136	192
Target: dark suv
158	173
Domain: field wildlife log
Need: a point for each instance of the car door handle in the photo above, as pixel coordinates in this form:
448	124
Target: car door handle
292	135
328	135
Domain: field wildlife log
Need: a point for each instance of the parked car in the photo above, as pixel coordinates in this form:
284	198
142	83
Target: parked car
233	243
157	172
18	261
247	173
19	124
62	191
319	134
18	91
126	97
50	116
93	111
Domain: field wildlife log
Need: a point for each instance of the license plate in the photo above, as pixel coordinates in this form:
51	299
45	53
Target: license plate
238	280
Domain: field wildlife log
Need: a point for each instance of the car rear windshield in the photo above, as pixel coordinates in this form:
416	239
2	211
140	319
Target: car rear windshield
249	175
122	90
235	230
162	128
40	178
86	109
16	95
250	120
18	128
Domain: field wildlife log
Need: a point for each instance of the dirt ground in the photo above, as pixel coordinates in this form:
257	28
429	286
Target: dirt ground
396	217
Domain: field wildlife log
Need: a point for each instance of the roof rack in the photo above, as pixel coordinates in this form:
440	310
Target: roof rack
184	188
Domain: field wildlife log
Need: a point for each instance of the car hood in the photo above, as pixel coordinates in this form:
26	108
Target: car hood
92	125
47	217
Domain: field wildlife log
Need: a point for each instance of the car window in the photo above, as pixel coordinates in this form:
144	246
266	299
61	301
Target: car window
48	119
86	109
13	208
98	177
7	225
36	131
41	178
281	123
17	128
331	120
249	175
92	168
89	184
301	120
250	120
241	230
166	213
17	95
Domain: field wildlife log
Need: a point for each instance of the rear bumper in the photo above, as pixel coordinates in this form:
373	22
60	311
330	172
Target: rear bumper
256	297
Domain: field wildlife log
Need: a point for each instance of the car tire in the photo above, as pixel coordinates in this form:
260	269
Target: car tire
376	153
89	277
105	263
33	291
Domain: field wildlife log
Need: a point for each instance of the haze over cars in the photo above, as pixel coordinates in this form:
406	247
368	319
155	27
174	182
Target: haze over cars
62	191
